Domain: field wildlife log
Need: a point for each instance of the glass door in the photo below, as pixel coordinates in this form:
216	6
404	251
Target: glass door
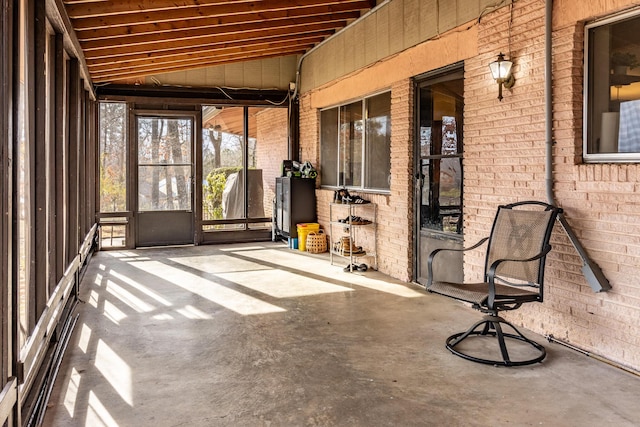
164	212
438	184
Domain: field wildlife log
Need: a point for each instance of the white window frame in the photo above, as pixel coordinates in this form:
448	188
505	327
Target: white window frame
601	157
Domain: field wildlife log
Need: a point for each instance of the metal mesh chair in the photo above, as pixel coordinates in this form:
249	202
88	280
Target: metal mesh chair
513	275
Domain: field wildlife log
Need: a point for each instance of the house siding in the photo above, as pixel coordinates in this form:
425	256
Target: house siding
504	161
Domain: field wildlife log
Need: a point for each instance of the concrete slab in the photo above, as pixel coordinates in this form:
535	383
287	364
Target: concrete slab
261	335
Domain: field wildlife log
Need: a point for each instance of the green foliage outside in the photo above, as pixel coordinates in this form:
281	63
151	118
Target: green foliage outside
212	191
112	187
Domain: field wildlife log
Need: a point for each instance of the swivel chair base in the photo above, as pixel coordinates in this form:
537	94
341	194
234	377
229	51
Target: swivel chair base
491	326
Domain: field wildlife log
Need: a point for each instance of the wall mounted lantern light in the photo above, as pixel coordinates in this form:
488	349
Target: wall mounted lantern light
501	72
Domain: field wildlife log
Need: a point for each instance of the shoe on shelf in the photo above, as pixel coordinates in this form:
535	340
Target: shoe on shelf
348	248
342	196
357	200
356	220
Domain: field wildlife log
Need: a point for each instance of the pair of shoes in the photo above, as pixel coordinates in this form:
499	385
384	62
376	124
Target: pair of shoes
348	248
355	267
355	220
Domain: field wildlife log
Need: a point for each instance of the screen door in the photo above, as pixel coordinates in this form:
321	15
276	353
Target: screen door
164	180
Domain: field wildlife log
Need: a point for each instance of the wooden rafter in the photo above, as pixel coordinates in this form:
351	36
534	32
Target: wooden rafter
127	40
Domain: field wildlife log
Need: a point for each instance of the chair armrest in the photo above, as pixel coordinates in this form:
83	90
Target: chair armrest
436	251
491	274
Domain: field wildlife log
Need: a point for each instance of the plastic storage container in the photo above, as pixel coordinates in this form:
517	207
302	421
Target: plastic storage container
303	230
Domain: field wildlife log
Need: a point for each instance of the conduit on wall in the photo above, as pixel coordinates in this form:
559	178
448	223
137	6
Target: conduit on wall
591	271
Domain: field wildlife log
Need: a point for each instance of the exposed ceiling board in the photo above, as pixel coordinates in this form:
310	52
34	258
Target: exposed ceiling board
122	40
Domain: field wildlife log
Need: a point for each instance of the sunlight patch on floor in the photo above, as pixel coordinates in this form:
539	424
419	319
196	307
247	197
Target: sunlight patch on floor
190	312
121	254
112	312
215	264
85	338
283	284
241	248
287	259
141	288
321	267
208	289
396	289
97	414
128	298
70	395
94	298
115	370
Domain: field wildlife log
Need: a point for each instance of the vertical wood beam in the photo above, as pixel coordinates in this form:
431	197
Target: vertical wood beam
6	190
74	117
40	145
61	167
82	178
51	160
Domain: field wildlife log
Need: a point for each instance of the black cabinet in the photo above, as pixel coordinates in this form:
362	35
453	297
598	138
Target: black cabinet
295	204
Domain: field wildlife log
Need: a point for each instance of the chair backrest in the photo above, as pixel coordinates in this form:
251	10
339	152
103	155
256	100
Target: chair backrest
521	230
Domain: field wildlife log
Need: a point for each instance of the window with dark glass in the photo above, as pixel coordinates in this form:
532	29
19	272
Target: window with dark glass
355	144
612	107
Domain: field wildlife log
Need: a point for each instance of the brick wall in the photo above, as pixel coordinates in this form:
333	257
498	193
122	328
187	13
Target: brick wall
271	149
504	161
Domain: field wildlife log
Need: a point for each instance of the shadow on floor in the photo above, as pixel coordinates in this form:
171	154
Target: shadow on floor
261	335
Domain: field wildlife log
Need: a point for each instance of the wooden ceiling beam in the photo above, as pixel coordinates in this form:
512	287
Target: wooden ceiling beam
119	75
109	8
192	58
207	35
315	14
212	43
203	50
99	67
125	40
178	14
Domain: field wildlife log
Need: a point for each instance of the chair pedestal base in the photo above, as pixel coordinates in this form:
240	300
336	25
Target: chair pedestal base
492	326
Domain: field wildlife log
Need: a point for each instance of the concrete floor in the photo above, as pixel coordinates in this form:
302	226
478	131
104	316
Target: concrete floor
261	335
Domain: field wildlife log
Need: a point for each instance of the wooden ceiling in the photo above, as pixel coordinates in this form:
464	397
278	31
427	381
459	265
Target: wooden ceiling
125	40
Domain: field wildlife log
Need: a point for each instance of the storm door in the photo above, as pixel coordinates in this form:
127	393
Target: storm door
164	211
438	172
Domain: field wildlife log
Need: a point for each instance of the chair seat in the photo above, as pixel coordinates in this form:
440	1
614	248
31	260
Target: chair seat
477	293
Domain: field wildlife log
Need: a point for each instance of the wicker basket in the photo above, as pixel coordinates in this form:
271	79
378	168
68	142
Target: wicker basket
316	242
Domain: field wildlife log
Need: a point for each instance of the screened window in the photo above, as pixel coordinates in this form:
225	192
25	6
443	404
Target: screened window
612	105
355	144
113	157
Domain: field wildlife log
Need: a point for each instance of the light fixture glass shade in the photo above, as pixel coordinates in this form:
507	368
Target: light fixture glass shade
500	69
